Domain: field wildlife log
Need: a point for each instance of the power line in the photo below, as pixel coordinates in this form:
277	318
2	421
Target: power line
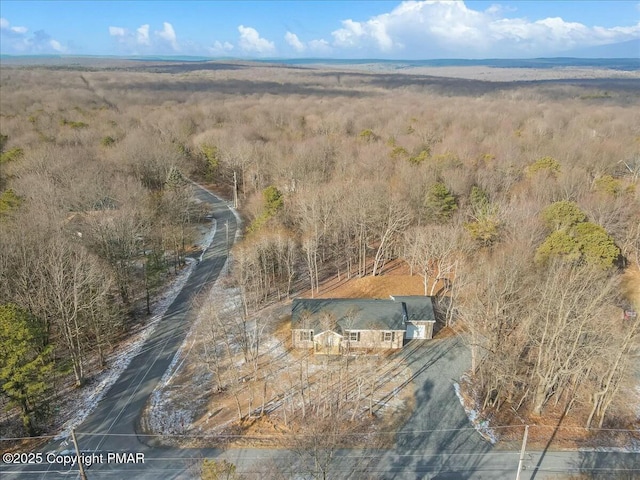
286	434
510	454
35	437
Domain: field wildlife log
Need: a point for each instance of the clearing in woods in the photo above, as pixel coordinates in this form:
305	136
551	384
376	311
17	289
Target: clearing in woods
216	391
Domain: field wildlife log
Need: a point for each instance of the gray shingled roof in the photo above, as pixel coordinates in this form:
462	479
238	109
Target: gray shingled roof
419	308
347	314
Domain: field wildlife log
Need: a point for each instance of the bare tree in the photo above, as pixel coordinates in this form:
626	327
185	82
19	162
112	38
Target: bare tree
570	306
612	370
434	250
396	221
115	237
74	286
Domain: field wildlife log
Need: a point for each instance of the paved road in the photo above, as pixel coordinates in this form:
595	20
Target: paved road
114	422
439	424
436	443
429	446
120	410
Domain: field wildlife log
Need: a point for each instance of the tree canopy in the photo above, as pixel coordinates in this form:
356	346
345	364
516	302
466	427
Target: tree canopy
544	164
562	214
440	203
574	239
25	364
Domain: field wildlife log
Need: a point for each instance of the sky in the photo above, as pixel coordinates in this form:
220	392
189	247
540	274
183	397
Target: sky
425	29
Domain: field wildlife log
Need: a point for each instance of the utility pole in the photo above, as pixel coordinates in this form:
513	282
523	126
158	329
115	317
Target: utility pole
83	475
235	190
522	451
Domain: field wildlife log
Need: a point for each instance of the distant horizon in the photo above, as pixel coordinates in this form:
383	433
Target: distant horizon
305	59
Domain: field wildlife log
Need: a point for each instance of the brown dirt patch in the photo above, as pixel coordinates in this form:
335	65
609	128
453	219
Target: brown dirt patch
395	279
375	287
447	332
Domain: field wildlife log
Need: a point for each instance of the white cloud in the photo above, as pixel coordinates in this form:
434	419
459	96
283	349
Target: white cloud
18	40
293	40
117	31
167	34
141	41
314	47
252	42
7	29
357	34
320	46
497	9
349	35
142	35
57	46
220	48
440	28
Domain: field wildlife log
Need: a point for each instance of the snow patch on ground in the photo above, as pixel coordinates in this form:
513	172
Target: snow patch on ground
88	397
120	359
230	206
165	418
274	347
163	415
634	445
208	239
481	426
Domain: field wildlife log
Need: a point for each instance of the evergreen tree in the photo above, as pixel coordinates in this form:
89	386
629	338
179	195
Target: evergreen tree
440	203
210	155
273	200
479	199
574	239
544	164
25	366
563	214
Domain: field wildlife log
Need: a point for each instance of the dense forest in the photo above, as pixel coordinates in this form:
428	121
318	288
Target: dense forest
521	197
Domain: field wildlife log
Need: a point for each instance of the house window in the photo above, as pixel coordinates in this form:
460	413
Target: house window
354	336
387	336
306	335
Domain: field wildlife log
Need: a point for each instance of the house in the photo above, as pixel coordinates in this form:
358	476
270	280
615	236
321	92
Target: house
338	325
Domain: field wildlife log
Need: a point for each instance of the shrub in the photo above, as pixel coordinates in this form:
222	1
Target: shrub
544	164
107	141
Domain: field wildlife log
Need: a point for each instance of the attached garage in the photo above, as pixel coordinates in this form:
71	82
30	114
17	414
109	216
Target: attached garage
415	331
419	315
419	330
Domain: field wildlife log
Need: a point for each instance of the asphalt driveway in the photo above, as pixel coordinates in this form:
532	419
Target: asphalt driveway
438	440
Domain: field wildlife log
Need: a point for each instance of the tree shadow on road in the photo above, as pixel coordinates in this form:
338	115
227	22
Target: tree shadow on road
441	443
607	465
